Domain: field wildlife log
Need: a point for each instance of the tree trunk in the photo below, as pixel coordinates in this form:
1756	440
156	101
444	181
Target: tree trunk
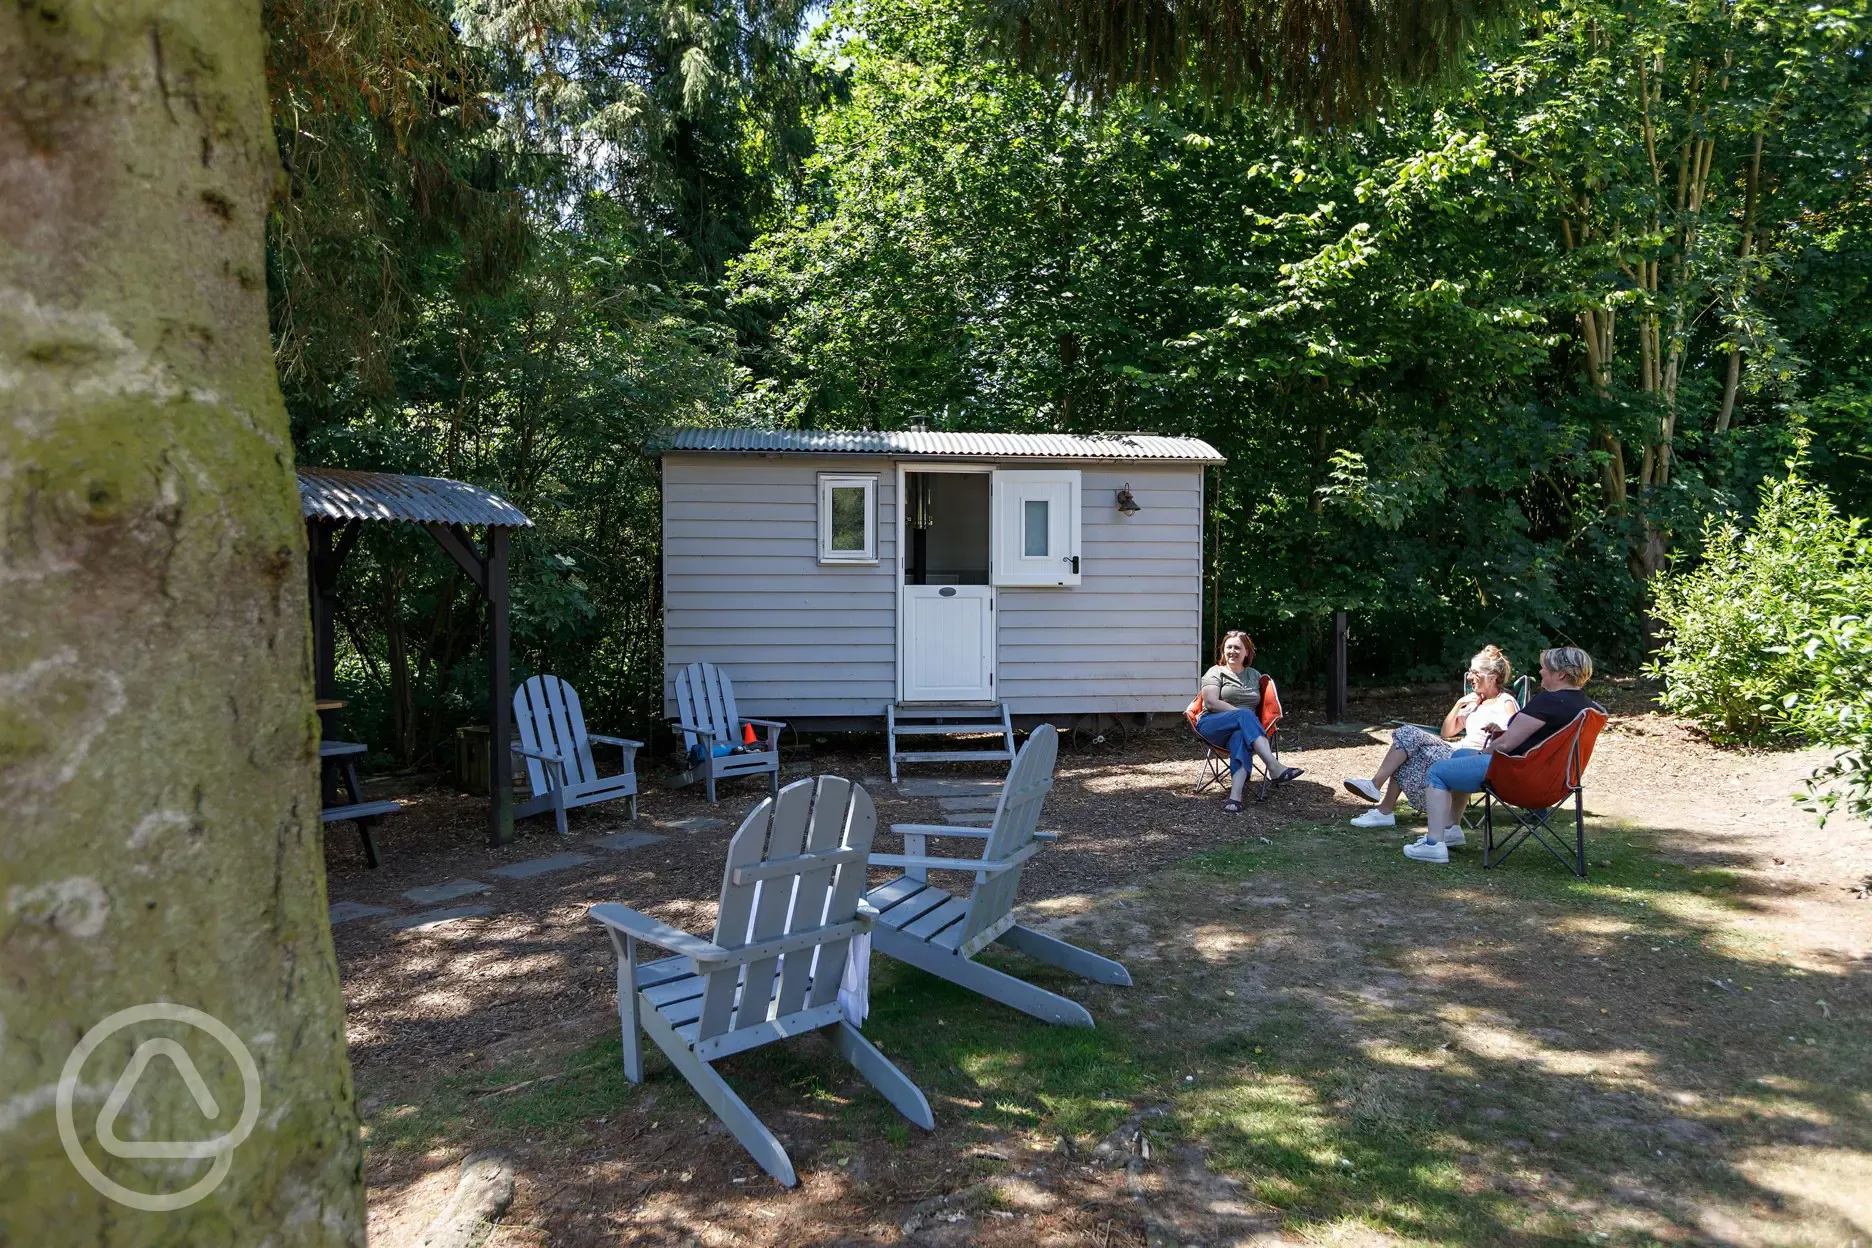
158	761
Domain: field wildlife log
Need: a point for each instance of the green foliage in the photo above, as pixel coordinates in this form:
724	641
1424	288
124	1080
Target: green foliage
1385	332
495	261
1326	65
1838	707
1480	367
1763	637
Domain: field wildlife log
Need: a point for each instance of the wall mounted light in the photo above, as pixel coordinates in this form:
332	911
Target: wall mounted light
1127	506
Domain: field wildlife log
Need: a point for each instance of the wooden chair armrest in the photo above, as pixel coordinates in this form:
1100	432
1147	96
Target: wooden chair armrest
698	729
939	864
766	723
641	926
957	864
624	742
944	829
542	755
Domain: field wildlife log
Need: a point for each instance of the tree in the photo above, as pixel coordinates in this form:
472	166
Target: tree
1325	64
157	739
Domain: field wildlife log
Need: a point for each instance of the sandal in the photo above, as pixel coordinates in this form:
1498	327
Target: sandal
1231	807
1290	775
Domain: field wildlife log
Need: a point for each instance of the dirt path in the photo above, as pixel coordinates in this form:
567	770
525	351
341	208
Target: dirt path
1500	1056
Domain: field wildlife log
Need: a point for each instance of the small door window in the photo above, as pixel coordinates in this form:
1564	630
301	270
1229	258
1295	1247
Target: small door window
1034	537
847	519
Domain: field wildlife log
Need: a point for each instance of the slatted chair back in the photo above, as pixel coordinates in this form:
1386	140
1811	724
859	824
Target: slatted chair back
548	718
705	697
796	869
1016	819
1546	775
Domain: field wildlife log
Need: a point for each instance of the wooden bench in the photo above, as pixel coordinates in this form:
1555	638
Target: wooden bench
342	757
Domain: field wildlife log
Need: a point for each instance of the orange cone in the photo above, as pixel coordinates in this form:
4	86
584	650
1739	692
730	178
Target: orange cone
747	734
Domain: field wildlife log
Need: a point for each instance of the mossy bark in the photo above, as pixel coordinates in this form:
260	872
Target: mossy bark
159	836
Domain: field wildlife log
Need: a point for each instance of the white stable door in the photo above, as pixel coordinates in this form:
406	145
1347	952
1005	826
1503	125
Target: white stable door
948	643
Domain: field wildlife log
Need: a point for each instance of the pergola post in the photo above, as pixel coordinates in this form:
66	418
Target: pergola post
327	545
500	680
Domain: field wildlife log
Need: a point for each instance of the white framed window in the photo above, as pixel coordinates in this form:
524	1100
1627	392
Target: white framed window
847	518
1036	516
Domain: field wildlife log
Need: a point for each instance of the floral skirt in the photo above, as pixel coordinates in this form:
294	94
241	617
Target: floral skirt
1422	750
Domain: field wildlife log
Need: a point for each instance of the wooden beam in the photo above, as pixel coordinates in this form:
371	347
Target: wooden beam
456	543
500	680
320	586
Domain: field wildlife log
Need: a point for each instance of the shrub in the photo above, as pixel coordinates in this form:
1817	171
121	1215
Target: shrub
1758	636
1838	709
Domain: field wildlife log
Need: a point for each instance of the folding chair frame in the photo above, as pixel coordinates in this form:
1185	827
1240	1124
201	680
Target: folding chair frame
1534	824
1215	768
1215	765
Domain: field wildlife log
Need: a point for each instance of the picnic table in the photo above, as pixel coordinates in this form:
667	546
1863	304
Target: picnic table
339	779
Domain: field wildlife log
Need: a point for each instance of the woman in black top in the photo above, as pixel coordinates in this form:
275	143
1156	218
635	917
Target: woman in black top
1564	669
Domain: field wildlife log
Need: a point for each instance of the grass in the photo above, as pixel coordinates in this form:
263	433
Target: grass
1445	1056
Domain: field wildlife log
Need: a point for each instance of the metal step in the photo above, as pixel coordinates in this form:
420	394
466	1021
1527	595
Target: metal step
954	756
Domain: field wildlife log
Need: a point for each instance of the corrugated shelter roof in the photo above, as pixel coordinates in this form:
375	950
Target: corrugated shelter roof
915	443
339	494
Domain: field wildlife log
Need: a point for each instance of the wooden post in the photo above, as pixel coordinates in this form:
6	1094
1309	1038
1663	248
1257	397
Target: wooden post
1336	672
318	577
500	681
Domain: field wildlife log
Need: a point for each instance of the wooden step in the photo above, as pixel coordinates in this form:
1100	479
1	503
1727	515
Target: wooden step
992	727
954	756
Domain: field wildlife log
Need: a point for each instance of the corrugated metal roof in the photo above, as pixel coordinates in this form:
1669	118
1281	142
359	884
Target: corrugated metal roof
339	494
911	443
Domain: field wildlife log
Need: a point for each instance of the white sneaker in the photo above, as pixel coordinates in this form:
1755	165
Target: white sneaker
1423	849
1375	818
1365	789
1452	836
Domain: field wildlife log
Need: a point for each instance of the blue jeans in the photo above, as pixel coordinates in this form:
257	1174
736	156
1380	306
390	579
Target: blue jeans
1461	772
1234	731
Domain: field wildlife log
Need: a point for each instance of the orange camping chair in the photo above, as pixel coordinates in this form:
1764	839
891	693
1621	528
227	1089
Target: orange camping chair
1531	786
1215	760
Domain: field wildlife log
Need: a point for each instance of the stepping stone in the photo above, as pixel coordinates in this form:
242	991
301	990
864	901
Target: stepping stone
628	840
436	894
925	786
539	866
435	918
345	911
695	823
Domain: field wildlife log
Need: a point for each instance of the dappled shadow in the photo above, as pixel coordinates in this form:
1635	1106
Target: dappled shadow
1513	1057
1305	999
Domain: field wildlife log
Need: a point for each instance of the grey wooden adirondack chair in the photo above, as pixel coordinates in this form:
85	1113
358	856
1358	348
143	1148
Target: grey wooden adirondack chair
925	926
550	725
705	698
795	869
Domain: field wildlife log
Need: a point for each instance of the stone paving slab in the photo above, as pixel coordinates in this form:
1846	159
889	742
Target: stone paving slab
539	866
345	911
925	786
435	918
695	823
436	894
983	801
619	841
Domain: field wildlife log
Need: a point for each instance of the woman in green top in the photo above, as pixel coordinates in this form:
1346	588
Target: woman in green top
1231	719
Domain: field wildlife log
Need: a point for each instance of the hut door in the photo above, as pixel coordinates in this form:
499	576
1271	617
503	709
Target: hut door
945	619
